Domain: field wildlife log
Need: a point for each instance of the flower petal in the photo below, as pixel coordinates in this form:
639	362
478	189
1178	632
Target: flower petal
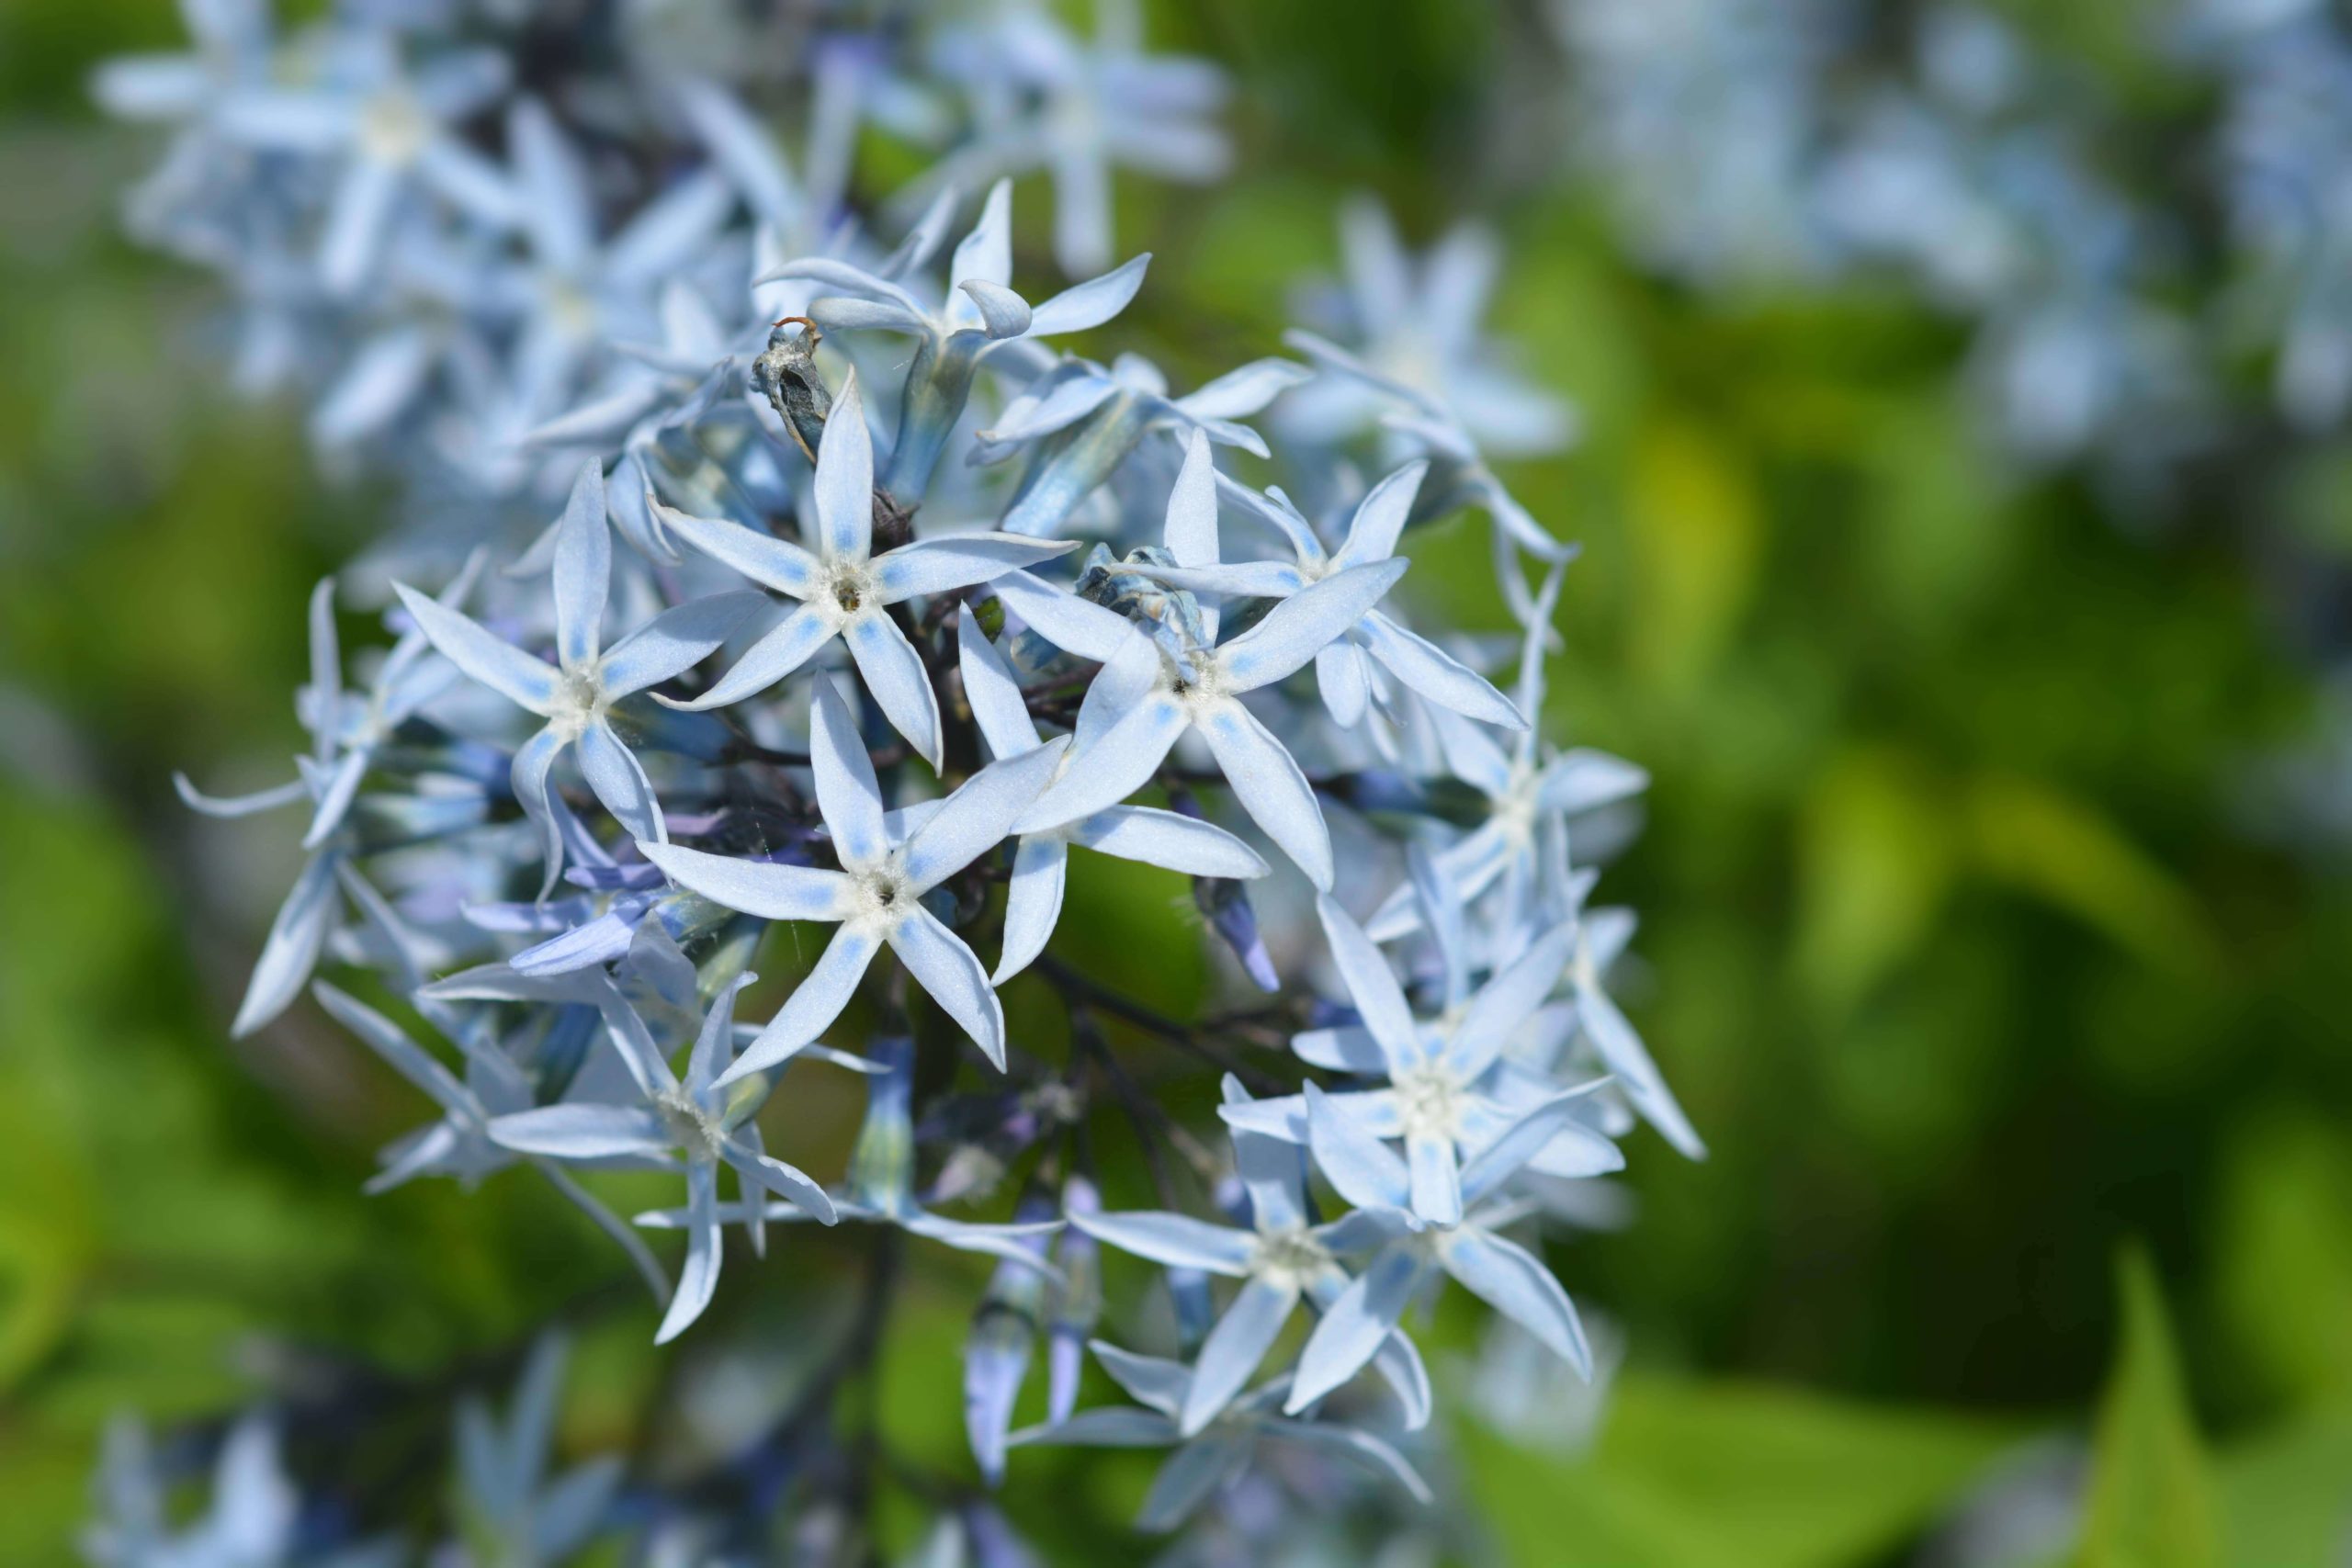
894	672
1033	903
951	973
1178	1241
1266	780
771	891
499	665
976	819
845	478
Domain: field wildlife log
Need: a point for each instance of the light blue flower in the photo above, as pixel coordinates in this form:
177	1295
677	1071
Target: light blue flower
880	1187
576	695
1348	683
1280	1259
1416	321
699	1121
530	1521
1042	97
1041	858
1220	1453
980	313
1084	420
1450	1094
876	898
1145	700
844	589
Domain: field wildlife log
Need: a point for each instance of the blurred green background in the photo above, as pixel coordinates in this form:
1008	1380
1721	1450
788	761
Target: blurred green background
1952	942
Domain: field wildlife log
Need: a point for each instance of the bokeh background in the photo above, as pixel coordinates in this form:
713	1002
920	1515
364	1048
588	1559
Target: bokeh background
1980	936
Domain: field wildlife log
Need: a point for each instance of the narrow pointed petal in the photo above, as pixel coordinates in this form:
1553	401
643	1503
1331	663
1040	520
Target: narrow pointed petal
1522	1141
1296	630
1380	518
1169	839
714	1041
788	1182
807	1011
584	568
1179	1241
1085	306
1033	903
528	777
1620	1049
499	665
1354	1328
1003	312
989	686
1361	1169
1582	779
1074	625
403	1054
1437	674
1234	1348
784	650
698	1281
894	672
1379	999
1112	766
953	976
1339	676
1191	534
612	771
977	818
766	559
845	479
1508	999
674	642
297	935
584	1132
269	800
1267	780
848	794
1151	1381
959	560
1514	1282
1436	1179
756	887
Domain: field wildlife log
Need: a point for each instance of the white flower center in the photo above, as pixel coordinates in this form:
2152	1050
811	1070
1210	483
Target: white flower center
579	700
1516	810
880	895
1289	1257
1431	1101
394	127
849	589
696	1131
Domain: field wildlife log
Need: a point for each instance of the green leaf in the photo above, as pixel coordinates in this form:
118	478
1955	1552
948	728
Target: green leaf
2151	1503
2287	1496
2066	854
1729	1475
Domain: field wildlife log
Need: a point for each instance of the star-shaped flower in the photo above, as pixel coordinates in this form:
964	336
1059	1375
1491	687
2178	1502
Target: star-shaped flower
845	591
1357	1324
1217	1454
879	1186
1339	670
1041	861
1529	795
1144	699
698	1121
980	312
1445	1098
576	695
1280	1259
877	897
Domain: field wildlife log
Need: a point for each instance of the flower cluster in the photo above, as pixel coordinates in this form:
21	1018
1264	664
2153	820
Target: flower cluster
1753	142
763	562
